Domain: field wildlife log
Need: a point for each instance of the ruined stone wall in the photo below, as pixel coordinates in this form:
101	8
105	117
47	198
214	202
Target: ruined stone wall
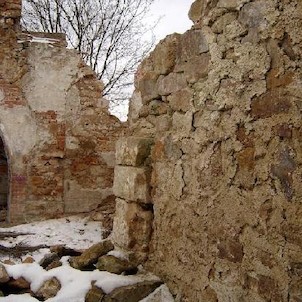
222	103
58	134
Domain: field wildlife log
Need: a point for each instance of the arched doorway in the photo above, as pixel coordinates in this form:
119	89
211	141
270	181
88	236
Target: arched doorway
4	183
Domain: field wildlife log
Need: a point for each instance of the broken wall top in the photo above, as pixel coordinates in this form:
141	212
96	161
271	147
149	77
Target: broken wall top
223	105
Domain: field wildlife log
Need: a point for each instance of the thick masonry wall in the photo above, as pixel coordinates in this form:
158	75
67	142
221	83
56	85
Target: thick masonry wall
222	104
55	125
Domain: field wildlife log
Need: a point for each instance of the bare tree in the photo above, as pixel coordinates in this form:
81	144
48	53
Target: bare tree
109	34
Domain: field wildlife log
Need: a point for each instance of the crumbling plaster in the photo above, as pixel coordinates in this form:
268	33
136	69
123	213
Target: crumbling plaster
54	123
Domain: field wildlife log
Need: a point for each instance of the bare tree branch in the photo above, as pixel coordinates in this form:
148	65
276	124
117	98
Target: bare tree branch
109	34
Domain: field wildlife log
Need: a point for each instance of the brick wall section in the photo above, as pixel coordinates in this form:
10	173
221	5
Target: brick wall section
223	105
58	134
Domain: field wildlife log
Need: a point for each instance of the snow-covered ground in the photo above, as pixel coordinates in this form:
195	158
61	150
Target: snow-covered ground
75	283
74	232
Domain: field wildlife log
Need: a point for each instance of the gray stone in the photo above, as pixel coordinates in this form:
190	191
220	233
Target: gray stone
132	293
132	183
91	255
252	14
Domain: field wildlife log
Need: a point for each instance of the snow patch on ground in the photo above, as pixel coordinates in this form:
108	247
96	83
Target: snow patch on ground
75	283
75	232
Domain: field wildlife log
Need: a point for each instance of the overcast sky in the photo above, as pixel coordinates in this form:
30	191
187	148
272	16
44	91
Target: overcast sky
174	16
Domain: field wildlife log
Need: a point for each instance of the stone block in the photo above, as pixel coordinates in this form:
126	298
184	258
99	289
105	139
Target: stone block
135	105
164	55
198	45
181	100
171	83
132	183
4	277
221	23
91	255
182	123
133	151
197	10
49	289
134	293
132	226
147	85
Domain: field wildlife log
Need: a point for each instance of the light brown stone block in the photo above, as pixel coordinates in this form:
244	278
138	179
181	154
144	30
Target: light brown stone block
132	183
132	226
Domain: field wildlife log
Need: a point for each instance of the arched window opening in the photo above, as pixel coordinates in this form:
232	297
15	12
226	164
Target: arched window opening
4	183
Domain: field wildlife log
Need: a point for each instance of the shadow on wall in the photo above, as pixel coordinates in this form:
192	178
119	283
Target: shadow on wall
4	183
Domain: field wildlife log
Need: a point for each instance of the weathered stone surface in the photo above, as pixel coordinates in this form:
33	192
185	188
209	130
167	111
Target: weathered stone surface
48	259
132	183
115	265
132	293
182	122
181	100
132	151
132	226
62	250
196	10
95	294
49	289
19	284
226	165
198	45
28	260
220	24
164	55
161	294
269	104
171	83
91	255
148	86
231	250
54	264
4	277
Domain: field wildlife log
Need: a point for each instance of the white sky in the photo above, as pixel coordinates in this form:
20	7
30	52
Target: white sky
174	16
